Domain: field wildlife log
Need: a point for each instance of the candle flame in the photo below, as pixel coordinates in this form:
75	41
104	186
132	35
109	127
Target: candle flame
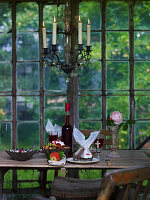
54	19
43	24
88	21
79	19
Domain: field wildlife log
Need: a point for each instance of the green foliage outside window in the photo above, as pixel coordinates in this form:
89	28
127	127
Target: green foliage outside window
90	83
90	102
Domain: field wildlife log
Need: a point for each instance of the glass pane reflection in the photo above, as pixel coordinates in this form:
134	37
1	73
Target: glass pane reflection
27	46
115	70
28	135
5	136
27	16
28	108
89	107
117	46
5	77
28	73
6	47
117	15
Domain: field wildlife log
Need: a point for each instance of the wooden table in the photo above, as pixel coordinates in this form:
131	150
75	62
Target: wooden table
127	158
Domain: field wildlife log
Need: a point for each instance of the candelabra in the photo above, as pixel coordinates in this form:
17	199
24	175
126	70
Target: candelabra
73	60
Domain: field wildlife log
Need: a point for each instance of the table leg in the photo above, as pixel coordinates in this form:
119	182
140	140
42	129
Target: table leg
2	172
43	180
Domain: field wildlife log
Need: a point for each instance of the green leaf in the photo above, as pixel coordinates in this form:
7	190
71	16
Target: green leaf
61	154
125	127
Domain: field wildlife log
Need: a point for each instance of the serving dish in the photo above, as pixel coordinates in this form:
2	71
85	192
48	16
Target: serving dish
21	154
48	151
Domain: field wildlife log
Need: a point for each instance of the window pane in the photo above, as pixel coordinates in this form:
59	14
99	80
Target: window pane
142	107
55	109
5	77
118	103
89	107
27	46
53	81
141	15
117	16
142	75
90	78
6	49
142	45
123	139
28	135
117	45
28	73
27	16
5	136
95	45
5	17
141	133
117	75
5	107
28	108
90	10
49	11
94	125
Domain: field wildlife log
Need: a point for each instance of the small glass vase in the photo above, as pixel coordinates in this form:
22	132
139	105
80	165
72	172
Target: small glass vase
115	137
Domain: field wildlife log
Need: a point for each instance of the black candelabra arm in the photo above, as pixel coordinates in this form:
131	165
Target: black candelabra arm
88	49
51	57
83	57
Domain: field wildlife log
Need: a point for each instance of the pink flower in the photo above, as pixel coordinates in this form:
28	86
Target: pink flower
117	117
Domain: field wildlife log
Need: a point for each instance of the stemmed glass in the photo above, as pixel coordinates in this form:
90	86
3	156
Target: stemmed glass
98	143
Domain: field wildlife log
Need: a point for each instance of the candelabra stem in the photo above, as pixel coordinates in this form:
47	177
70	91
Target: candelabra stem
88	49
54	47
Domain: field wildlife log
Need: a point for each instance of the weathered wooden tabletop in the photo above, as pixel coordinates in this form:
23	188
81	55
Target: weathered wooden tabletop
127	158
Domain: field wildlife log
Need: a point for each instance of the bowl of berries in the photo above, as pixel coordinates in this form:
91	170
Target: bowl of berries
55	146
21	154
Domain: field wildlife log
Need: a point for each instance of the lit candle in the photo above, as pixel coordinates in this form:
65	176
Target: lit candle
54	32
79	31
88	33
44	36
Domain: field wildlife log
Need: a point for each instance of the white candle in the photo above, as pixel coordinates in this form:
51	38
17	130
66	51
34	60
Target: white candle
79	31
54	32
44	36
88	33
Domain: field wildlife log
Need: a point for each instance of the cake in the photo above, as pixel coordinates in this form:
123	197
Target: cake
83	155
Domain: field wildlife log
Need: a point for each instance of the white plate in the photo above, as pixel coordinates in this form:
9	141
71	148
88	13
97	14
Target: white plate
82	162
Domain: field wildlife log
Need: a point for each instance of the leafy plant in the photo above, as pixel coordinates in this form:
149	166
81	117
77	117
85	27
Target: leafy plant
110	122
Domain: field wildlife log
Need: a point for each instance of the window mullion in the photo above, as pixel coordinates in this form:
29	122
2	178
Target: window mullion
41	76
72	87
103	56
14	90
131	67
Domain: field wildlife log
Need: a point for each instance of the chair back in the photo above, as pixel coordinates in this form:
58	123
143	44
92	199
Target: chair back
126	183
107	137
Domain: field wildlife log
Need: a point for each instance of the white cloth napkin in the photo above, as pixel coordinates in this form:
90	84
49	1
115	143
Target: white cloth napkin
53	129
84	143
61	162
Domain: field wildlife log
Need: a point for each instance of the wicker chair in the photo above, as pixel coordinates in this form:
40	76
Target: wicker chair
125	184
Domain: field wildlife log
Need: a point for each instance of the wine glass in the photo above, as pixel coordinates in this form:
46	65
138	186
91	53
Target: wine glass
98	143
51	137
